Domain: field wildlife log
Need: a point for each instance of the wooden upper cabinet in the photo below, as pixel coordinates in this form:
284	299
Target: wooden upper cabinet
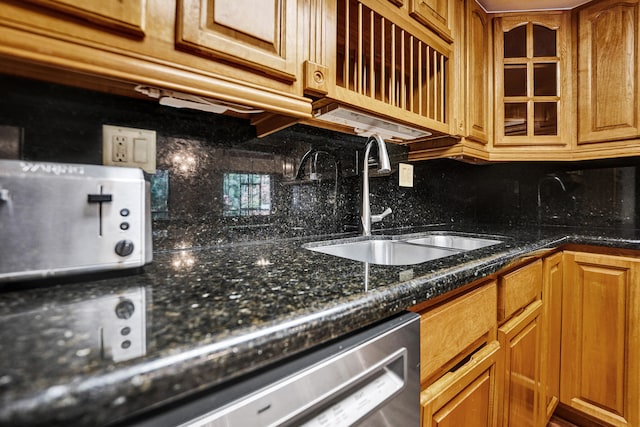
258	35
478	99
436	14
532	80
600	360
126	15
385	64
608	75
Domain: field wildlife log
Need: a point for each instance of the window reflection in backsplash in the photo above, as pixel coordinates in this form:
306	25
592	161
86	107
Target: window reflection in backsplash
256	189
217	183
246	194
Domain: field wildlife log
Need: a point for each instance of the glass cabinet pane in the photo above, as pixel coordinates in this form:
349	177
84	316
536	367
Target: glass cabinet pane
544	79
515	80
515	118
545	118
544	41
515	42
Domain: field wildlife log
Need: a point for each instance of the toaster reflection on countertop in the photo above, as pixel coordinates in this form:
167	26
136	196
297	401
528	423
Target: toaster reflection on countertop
110	327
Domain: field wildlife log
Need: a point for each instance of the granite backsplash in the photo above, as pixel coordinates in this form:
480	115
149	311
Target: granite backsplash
218	183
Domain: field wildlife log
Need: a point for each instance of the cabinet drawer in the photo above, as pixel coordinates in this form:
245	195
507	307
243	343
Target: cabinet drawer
519	288
466	396
448	330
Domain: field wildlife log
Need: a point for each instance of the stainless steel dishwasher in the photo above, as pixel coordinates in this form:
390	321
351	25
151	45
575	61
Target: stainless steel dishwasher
370	378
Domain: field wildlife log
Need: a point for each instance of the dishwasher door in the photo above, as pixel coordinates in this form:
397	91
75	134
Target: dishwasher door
370	378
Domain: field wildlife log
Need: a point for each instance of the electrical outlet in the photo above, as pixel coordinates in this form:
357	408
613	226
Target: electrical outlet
129	147
405	172
119	149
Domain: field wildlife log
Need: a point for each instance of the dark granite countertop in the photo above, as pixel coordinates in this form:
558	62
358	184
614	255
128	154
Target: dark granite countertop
204	316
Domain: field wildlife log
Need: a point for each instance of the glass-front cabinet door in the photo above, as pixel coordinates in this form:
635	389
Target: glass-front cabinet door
532	80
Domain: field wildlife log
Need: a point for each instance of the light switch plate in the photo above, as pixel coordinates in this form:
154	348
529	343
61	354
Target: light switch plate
405	172
10	142
131	147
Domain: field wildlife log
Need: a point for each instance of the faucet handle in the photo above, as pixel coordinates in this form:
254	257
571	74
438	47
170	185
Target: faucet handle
380	217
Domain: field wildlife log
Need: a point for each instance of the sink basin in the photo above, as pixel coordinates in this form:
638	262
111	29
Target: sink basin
464	243
401	250
385	252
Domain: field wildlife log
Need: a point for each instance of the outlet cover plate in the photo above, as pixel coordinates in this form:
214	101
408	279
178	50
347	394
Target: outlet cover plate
130	147
405	172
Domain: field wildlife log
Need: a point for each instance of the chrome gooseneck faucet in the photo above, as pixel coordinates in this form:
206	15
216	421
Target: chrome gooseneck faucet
384	166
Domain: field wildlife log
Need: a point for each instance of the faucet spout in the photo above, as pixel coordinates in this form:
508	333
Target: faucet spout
384	165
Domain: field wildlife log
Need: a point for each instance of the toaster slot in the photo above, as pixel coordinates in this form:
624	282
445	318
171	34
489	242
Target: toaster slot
99	198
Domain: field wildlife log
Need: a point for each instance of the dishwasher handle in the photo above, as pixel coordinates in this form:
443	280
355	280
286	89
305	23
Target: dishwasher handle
338	391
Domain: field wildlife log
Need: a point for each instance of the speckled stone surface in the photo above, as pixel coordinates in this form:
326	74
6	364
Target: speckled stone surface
213	314
204	316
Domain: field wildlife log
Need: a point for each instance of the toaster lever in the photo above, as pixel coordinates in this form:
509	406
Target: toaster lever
4	195
99	198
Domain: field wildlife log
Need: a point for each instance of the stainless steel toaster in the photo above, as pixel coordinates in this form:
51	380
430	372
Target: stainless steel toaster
58	219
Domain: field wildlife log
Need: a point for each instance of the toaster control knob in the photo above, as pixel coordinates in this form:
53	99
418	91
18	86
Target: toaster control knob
125	309
124	248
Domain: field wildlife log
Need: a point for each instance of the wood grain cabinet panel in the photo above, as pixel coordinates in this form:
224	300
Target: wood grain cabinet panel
608	77
436	14
466	396
441	345
518	288
600	359
551	333
478	97
533	81
520	339
124	15
259	35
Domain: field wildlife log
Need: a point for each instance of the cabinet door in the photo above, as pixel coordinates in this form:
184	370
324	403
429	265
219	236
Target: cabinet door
478	99
600	360
127	16
441	346
436	14
551	333
608	75
466	396
533	86
258	35
520	340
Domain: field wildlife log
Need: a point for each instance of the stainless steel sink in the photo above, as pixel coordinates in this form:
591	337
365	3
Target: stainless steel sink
464	243
401	250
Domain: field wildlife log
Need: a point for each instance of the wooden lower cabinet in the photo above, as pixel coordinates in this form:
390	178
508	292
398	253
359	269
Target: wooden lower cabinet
520	339
442	346
551	332
466	396
600	360
458	360
576	344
